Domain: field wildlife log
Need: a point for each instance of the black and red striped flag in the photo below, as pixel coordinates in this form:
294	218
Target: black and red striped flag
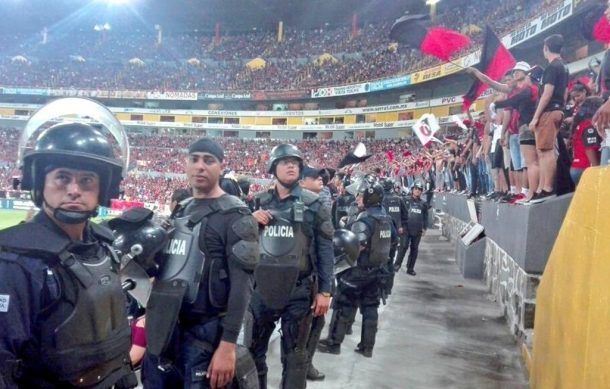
495	61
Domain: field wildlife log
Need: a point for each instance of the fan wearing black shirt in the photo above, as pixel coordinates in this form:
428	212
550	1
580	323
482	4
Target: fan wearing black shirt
549	115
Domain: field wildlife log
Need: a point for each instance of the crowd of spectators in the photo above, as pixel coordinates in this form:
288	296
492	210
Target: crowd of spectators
100	60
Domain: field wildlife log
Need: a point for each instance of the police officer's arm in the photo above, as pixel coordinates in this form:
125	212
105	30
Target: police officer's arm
19	300
241	251
232	237
425	216
404	215
324	249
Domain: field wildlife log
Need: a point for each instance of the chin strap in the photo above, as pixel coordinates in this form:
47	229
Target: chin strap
71	217
288	186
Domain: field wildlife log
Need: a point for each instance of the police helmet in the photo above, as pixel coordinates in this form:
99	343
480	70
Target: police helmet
138	234
283	151
417	185
388	184
73	144
77	146
373	194
346	247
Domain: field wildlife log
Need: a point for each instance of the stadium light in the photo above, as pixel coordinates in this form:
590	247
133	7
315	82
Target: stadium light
117	2
432	2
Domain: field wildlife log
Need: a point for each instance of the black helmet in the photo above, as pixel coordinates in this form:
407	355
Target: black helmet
136	233
388	184
77	146
346	247
373	194
418	185
282	151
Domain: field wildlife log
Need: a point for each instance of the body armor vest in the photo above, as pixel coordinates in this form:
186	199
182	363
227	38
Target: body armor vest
391	204
379	242
342	207
183	259
416	216
94	342
284	257
83	336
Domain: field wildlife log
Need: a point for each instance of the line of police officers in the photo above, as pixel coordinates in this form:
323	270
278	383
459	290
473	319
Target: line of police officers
225	277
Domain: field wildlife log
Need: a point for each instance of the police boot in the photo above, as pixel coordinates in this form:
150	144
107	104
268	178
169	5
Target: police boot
327	346
314	374
294	375
367	340
332	345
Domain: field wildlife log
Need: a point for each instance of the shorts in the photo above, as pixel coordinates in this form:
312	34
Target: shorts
526	136
547	130
497	158
515	152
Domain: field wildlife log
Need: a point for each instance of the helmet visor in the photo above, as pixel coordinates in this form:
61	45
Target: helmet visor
75	109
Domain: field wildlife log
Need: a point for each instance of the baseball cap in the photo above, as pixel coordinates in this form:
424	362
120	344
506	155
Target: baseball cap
523	66
311	172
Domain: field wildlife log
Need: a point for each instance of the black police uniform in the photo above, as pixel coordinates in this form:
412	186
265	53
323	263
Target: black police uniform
397	209
201	293
417	223
296	263
362	286
63	314
341	208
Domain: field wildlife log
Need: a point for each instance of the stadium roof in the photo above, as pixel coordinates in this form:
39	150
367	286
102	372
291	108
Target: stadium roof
202	15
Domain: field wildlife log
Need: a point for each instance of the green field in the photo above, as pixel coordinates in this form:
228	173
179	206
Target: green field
11	217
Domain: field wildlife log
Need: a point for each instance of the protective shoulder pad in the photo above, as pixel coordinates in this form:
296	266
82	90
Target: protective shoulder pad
264	198
33	237
228	202
102	232
131	216
309	197
361	229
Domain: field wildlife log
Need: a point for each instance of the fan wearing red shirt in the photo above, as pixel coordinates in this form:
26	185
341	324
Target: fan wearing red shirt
585	139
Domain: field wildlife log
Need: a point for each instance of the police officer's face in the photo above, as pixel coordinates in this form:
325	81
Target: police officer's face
360	201
313	184
287	170
416	192
203	171
70	189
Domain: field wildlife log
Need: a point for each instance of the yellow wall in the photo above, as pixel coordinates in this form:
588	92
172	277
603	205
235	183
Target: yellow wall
572	325
295	121
151	118
7	111
349	119
183	118
247	121
266	121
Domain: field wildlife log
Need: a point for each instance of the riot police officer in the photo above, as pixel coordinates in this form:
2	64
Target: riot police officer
416	226
294	276
342	204
63	317
200	297
362	286
396	208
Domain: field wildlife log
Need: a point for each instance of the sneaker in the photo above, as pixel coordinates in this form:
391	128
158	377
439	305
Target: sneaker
542	197
517	198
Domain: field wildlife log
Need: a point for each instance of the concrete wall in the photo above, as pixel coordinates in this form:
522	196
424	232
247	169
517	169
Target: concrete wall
518	242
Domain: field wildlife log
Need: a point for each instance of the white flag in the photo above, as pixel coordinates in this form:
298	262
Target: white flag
426	127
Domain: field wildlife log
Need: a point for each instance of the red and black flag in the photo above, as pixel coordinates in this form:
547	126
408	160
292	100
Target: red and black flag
495	61
414	31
